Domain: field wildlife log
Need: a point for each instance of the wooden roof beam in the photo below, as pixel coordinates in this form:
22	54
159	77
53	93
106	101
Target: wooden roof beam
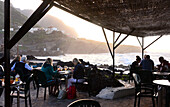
33	19
124	38
152	42
107	43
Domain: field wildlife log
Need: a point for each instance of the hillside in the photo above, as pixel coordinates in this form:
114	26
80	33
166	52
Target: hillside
49	20
17	19
57	43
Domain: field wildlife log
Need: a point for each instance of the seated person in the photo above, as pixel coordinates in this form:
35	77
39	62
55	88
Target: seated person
47	68
135	65
78	73
16	59
147	63
164	66
22	68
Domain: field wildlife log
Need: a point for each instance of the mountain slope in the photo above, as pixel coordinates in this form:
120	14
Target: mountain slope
36	42
17	19
49	20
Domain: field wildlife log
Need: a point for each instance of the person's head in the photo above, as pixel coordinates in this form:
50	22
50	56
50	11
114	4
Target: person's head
18	58
138	59
49	61
147	56
161	59
24	59
75	61
81	60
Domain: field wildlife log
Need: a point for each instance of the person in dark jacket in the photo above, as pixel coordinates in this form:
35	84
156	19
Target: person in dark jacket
135	65
147	63
164	65
22	68
78	73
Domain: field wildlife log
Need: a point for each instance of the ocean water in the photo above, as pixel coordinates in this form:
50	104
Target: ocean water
105	58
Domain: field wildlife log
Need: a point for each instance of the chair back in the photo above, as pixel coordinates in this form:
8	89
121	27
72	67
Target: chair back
145	76
27	85
40	77
22	71
84	103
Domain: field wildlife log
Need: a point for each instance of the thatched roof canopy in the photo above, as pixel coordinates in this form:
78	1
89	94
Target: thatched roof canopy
147	17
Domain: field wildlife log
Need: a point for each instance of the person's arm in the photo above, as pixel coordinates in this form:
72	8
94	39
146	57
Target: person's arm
52	72
141	63
13	67
28	67
152	65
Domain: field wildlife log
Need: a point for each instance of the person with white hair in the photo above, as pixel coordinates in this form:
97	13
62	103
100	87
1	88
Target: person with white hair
22	68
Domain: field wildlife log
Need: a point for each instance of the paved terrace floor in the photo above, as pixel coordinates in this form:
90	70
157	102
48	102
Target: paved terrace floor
52	101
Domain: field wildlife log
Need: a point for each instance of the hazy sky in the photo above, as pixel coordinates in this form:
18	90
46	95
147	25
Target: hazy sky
90	31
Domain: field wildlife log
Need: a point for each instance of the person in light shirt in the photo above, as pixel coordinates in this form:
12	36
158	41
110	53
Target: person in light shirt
22	68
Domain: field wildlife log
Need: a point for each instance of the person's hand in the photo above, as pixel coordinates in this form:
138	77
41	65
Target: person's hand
13	71
72	70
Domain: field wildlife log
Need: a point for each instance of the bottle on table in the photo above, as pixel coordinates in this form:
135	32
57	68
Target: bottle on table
17	79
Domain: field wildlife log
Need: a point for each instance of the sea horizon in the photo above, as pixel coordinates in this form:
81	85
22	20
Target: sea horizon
105	58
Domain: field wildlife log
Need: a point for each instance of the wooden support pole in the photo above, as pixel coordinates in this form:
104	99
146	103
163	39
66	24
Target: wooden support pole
139	41
7	51
107	42
124	39
153	42
117	38
142	47
113	53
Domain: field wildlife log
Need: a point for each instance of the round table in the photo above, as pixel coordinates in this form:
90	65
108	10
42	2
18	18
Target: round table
162	82
166	84
66	75
161	73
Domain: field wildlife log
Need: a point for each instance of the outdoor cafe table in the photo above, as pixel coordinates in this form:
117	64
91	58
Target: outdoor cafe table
38	68
166	84
14	85
161	73
66	75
